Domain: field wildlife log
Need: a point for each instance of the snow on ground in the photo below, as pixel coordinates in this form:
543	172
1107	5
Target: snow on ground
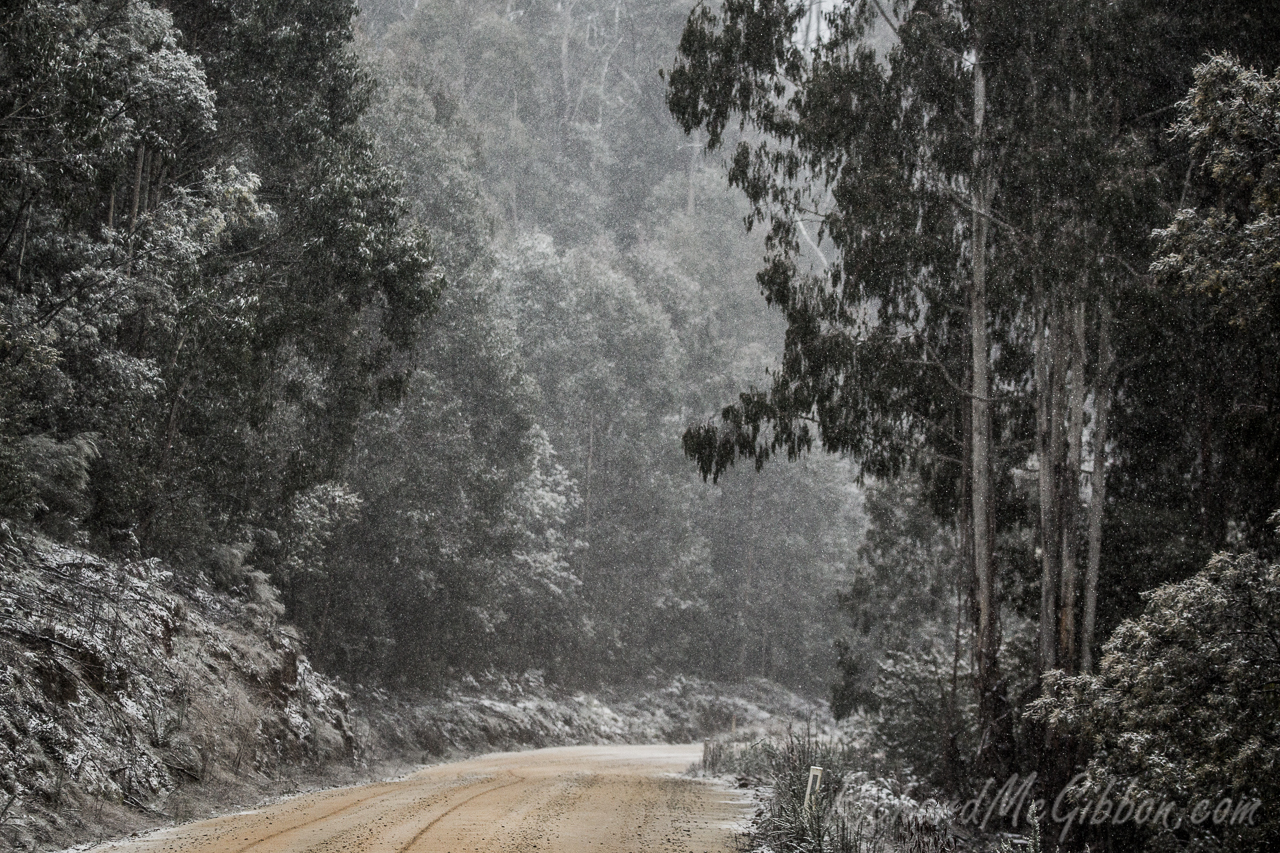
130	697
116	690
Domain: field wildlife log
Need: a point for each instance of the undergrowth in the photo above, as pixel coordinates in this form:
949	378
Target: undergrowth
850	812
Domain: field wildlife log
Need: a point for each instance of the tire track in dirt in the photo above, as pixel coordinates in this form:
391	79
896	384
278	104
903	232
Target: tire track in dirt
245	829
323	817
418	837
250	830
528	825
563	800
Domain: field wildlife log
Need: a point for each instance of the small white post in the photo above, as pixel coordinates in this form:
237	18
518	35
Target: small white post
815	782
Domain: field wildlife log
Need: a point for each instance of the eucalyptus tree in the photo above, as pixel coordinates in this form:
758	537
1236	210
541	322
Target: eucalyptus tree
1181	712
876	357
326	293
207	273
98	100
1190	468
1219	254
953	159
564	99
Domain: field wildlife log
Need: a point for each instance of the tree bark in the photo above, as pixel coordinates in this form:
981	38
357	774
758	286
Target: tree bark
992	742
22	250
690	206
1098	486
137	186
1070	491
591	448
1044	361
1057	455
980	397
157	186
566	79
146	180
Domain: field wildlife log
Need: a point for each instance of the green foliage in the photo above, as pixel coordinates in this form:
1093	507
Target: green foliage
1196	432
451	525
903	585
1183	706
291	334
860	155
84	86
603	358
906	674
674	575
595	317
926	718
315	517
1231	120
204	265
920	709
57	473
1214	264
465	507
859	144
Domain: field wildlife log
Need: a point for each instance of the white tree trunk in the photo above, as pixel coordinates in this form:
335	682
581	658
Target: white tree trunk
988	627
1048	488
1098	491
1070	491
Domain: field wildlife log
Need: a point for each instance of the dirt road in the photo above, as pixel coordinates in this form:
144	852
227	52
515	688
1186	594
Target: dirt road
590	799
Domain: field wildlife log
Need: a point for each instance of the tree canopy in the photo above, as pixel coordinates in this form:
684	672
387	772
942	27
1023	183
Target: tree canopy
959	202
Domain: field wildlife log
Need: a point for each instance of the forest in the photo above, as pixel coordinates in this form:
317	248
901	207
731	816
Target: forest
918	355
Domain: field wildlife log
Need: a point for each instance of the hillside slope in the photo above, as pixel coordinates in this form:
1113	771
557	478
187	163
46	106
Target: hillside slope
118	687
131	696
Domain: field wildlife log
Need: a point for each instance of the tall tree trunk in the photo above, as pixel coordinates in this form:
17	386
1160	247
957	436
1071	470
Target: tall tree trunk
591	449
991	743
964	521
690	203
137	186
146	180
1044	362
157	186
1098	486
22	250
1059	358
1075	392
566	78
744	642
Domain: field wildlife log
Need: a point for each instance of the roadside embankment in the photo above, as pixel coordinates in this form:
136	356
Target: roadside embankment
132	697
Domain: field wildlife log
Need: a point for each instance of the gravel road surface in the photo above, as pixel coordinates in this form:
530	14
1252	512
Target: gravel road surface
587	799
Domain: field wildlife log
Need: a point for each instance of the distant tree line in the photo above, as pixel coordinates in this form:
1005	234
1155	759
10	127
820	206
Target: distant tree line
402	311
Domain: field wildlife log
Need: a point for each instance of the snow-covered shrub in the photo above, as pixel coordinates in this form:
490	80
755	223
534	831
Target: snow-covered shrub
117	692
927	717
886	814
848	811
1184	710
